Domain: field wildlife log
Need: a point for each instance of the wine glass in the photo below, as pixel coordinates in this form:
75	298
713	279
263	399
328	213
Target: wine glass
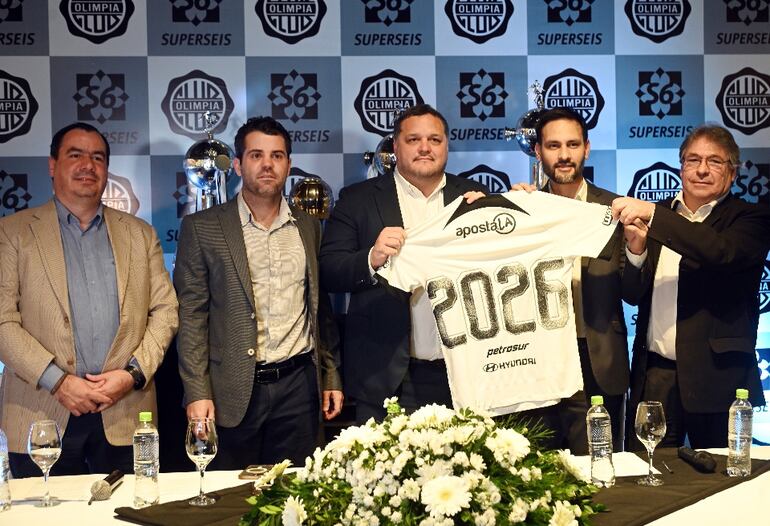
650	428
44	447
201	446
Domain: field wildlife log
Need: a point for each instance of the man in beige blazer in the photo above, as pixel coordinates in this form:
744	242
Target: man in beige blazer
87	311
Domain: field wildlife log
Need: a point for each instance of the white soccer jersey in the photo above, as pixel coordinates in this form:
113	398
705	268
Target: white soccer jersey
498	274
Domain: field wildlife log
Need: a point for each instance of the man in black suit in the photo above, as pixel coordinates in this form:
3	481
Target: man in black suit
694	266
391	344
258	344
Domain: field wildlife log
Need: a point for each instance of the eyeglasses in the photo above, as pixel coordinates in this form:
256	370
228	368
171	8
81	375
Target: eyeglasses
715	164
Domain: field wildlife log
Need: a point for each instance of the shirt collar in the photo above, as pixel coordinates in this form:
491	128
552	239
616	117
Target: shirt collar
285	214
68	218
703	210
412	190
582	192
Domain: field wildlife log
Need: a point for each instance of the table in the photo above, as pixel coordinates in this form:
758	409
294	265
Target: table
746	500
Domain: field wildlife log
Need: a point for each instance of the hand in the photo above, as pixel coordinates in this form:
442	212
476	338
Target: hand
388	243
472	196
628	210
529	188
332	404
114	384
80	396
636	237
201	409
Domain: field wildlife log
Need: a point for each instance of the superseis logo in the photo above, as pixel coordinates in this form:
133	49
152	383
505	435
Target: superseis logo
383	94
764	289
17	106
574	90
13	193
184	196
10	10
497	181
660	93
195	11
294	95
658	20
656	183
189	97
479	20
97	20
752	183
119	194
747	11
291	20
101	96
387	11
482	94
744	101
568	11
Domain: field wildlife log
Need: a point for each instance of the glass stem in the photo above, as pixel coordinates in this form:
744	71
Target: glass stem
47	496
649	455
202	470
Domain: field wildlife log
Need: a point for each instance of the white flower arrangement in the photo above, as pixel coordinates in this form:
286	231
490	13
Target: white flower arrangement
433	467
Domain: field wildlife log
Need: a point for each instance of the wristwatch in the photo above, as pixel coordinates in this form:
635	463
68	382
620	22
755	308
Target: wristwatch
137	375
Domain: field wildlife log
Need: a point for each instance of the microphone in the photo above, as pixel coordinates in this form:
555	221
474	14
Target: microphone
102	489
700	460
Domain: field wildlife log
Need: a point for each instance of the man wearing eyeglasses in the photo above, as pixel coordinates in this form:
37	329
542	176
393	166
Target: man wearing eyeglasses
694	266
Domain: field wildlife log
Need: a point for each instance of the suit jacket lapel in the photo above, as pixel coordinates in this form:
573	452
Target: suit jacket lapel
451	190
305	228
232	231
386	199
120	240
49	244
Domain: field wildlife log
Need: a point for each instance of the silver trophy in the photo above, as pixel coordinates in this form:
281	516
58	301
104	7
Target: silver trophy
526	136
382	160
208	166
313	195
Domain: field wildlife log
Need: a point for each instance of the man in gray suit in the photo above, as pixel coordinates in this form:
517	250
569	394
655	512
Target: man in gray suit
257	341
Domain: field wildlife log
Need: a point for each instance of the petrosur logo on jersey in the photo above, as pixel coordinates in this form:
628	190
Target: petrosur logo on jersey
569	27
387	27
191	27
736	26
656	183
656	20
119	194
291	21
17	106
23	28
14	194
498	182
479	20
574	90
189	97
383	94
96	20
744	101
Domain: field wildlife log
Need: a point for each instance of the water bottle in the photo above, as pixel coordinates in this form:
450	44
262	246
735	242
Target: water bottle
739	435
5	474
146	462
599	428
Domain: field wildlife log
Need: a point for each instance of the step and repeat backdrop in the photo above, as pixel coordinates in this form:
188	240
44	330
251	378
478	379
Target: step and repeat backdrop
641	72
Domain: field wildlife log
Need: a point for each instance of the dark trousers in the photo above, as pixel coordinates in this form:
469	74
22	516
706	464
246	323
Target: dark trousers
566	420
425	382
281	422
702	430
84	450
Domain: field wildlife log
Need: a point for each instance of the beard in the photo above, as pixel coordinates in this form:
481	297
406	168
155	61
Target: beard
564	178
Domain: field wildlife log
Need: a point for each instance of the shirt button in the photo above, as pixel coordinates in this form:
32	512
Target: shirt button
250	352
66	320
253	315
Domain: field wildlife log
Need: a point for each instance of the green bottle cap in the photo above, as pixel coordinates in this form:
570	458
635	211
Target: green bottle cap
145	416
597	400
742	394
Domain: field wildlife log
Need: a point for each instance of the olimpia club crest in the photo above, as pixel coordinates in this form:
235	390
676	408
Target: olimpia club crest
764	289
744	101
497	181
189	97
382	95
119	194
656	183
17	107
97	20
479	20
571	89
291	21
658	20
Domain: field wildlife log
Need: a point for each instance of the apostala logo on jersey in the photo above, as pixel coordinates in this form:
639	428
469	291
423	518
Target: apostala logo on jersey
656	183
17	106
482	95
291	21
497	181
119	194
189	97
656	20
387	11
569	12
660	93
100	96
503	223
479	20
574	90
744	101
13	193
752	183
195	11
764	289
383	94
747	12
10	10
185	197
97	20
294	96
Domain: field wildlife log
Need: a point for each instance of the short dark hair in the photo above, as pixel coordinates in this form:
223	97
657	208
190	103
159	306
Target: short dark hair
716	134
417	111
557	114
266	125
58	137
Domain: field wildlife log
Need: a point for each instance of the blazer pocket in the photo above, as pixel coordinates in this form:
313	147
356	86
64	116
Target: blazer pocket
732	344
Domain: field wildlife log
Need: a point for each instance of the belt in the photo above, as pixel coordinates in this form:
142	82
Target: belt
268	373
